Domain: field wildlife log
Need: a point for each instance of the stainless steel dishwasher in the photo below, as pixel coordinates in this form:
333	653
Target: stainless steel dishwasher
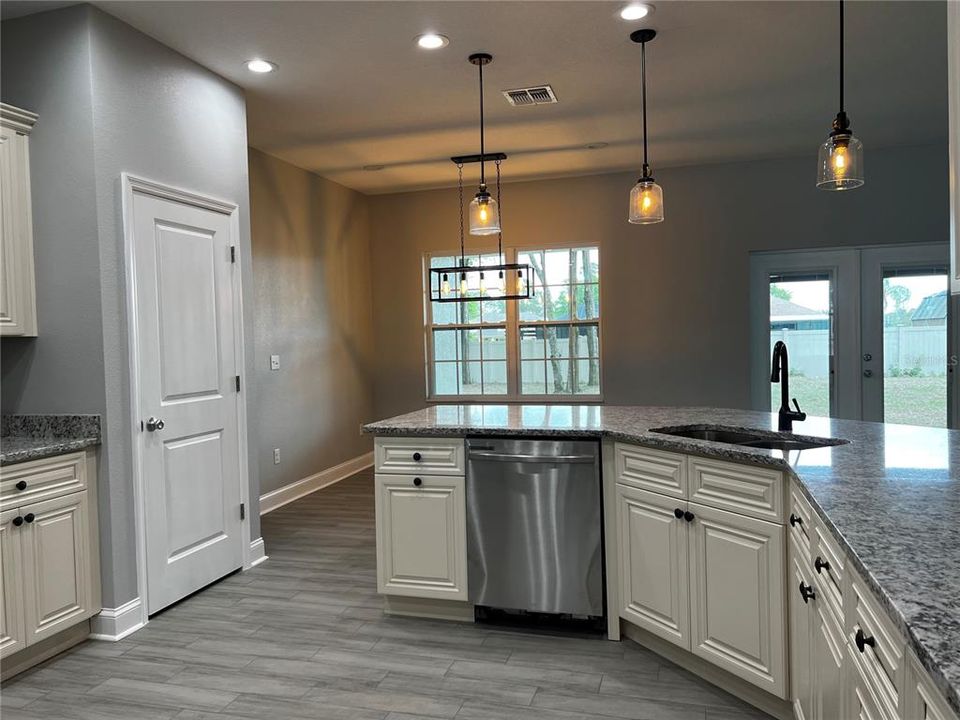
534	526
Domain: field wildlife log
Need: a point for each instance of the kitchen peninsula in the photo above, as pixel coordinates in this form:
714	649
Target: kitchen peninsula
847	553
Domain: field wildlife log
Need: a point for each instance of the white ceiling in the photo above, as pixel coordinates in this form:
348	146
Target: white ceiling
726	80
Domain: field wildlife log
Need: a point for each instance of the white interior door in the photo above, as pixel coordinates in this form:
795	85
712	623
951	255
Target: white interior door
189	396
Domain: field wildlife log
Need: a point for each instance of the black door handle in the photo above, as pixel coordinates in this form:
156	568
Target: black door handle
795	520
17	521
418	482
820	565
29	517
863	640
678	514
22	485
807	592
417	457
688	516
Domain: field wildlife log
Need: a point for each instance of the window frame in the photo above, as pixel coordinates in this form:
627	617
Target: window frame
512	324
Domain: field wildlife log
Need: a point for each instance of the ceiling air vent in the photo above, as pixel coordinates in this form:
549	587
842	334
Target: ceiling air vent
537	95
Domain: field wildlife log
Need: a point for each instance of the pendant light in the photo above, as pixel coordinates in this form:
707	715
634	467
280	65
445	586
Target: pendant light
484	213
840	160
646	198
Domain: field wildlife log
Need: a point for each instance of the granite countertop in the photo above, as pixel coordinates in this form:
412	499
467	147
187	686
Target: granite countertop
31	437
891	496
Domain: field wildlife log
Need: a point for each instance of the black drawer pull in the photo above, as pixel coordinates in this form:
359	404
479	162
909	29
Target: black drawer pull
688	516
795	520
417	457
418	482
807	592
17	521
678	514
22	485
29	517
820	565
863	640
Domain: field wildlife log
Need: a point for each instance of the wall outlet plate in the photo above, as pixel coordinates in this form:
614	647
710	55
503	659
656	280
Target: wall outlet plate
276	456
274	362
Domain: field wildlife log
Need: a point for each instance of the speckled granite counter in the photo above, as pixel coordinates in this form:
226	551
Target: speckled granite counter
31	437
891	496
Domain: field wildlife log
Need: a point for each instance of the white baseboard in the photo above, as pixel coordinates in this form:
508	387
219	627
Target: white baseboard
294	491
116	623
258	552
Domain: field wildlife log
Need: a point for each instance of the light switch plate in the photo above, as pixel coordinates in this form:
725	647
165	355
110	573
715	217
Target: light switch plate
276	456
274	362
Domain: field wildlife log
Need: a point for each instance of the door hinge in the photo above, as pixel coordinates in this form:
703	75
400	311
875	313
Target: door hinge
233	253
238	383
243	511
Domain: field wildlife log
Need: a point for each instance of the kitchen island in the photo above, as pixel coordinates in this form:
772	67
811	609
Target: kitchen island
885	503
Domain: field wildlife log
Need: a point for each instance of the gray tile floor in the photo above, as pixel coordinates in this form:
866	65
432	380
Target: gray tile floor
303	636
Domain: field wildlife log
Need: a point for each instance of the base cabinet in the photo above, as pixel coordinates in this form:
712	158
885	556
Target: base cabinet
49	557
421	536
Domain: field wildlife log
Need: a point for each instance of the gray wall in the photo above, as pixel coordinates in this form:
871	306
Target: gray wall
151	112
312	306
674	296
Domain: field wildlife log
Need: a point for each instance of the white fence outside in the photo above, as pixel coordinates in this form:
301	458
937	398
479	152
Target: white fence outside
922	348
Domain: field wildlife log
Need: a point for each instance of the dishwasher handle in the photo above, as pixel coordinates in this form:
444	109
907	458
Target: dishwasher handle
509	457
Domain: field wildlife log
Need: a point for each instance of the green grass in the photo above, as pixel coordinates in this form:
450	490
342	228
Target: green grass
907	400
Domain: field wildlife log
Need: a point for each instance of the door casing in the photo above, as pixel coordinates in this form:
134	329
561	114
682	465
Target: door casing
130	186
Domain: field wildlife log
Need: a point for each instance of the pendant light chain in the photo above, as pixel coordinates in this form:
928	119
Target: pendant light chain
460	189
841	57
643	102
483	177
500	205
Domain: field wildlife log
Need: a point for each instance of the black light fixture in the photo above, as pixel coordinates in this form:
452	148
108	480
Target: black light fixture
840	160
646	197
484	211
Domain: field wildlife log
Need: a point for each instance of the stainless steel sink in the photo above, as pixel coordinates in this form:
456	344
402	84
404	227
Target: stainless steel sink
749	438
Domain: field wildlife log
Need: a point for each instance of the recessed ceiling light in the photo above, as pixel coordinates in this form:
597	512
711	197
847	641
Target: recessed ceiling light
432	41
636	11
261	66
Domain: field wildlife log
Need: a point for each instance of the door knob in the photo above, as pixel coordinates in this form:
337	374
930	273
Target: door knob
820	565
17	521
678	513
688	516
29	517
416	457
154	424
868	373
418	482
795	520
862	640
807	592
22	485
867	357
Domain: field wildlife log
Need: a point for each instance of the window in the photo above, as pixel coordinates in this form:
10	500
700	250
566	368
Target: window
547	345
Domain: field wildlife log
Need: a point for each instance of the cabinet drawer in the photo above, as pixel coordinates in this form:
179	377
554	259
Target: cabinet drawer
42	480
752	491
436	456
881	659
828	564
801	522
866	704
655	470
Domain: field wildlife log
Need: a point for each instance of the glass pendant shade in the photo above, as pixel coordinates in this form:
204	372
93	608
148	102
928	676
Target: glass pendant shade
646	202
484	215
840	163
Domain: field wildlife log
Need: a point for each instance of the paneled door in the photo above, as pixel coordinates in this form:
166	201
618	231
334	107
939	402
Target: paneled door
654	563
12	630
188	395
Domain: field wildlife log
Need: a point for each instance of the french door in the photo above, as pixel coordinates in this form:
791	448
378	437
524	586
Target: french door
870	331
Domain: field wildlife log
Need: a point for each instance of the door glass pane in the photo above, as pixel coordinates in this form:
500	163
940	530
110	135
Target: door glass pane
915	347
801	316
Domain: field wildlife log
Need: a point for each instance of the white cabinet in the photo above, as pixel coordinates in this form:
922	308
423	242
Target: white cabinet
827	663
653	563
48	550
18	311
923	700
736	595
801	635
421	536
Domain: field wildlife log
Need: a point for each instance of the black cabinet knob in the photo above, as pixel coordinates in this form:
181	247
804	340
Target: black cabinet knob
820	565
863	640
29	517
22	485
678	514
418	482
17	521
807	592
688	516
795	520
417	457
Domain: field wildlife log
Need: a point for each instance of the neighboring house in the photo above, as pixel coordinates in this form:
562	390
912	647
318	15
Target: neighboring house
786	315
932	310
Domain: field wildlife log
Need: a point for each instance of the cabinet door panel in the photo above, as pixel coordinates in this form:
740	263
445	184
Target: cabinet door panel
421	536
653	564
56	552
827	662
12	629
801	691
737	615
18	314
